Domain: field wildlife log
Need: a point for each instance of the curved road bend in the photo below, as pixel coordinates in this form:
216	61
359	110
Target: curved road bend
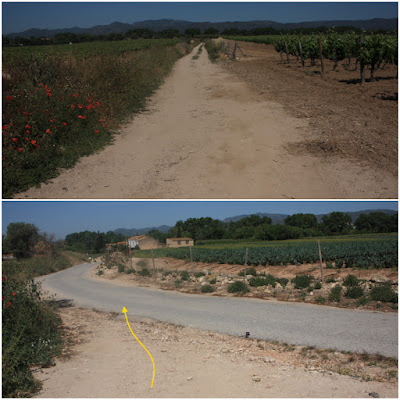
294	323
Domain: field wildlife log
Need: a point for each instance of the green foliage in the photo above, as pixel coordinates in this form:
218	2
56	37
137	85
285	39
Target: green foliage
377	222
335	293
184	275
329	265
336	222
20	239
318	285
213	49
121	268
383	293
363	301
213	281
144	272
238	287
207	289
350	280
177	283
304	221
249	271
142	263
262	281
199	274
130	271
283	281
320	300
87	241
302	281
30	336
354	292
100	272
330	279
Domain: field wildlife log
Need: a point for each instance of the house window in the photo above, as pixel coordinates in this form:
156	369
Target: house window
179	242
187	241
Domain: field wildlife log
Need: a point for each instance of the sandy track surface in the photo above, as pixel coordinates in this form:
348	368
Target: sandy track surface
206	134
106	361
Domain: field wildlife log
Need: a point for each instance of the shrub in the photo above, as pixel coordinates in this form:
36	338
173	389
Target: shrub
383	293
121	268
330	279
283	281
144	272
256	281
362	301
142	263
184	275
354	292
335	293
199	274
320	300
249	271
130	271
351	280
30	336
207	289
213	281
100	272
317	286
329	265
302	281
177	283
339	263
238	287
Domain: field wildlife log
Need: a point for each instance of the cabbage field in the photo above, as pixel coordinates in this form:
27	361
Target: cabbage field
379	253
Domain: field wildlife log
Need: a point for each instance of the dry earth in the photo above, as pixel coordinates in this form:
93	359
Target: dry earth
210	132
103	359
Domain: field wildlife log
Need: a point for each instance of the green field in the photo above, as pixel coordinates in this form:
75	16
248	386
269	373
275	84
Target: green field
363	251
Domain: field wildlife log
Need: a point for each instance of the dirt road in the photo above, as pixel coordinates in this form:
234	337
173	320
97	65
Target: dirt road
106	361
206	134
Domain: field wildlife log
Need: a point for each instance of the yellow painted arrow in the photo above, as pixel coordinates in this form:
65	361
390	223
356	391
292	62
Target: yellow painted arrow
124	310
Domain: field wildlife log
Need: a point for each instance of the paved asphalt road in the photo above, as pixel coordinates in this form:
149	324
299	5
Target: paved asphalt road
294	323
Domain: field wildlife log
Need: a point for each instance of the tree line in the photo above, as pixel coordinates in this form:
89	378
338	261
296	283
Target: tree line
294	227
144	33
25	240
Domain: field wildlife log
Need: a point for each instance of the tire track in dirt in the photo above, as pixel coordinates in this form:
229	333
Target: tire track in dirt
206	134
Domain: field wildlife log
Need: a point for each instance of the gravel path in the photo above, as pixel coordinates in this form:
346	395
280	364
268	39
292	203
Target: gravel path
294	323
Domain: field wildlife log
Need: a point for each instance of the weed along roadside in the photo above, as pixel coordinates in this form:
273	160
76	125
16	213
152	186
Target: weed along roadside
64	102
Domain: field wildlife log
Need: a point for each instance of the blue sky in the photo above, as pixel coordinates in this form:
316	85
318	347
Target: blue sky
64	217
20	16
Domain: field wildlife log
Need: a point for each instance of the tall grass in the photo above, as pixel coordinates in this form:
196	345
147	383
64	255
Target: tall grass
62	106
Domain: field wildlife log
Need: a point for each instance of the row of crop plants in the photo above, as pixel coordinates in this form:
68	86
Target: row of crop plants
359	254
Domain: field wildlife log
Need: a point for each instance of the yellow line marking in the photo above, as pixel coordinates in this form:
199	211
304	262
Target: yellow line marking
124	310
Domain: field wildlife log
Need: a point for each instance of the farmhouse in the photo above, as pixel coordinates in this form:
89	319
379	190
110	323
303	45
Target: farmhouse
143	242
180	242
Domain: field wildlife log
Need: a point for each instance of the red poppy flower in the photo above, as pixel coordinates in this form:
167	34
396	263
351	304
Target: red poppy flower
14	293
64	123
8	304
14	139
9	98
48	131
80	105
72	106
19	149
98	103
27	139
27	126
96	131
33	141
49	94
28	132
82	116
4	127
75	95
53	120
48	90
45	86
88	107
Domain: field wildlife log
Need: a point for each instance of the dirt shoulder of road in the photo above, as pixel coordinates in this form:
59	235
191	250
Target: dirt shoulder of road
345	119
103	359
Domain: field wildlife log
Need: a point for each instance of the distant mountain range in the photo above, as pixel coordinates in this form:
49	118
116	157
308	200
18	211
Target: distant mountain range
276	219
181	26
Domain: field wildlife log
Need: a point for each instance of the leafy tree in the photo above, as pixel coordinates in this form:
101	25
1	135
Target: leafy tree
336	223
192	32
304	221
211	31
156	234
377	222
21	238
277	232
